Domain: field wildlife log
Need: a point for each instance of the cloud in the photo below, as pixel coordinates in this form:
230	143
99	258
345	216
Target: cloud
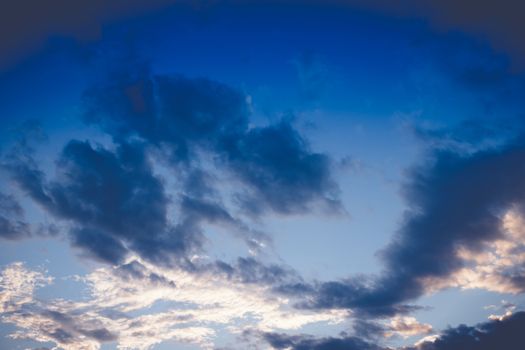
406	326
397	326
185	117
498	266
456	202
496	334
250	270
172	110
18	285
502	333
112	199
12	224
121	301
275	163
116	205
40	322
303	342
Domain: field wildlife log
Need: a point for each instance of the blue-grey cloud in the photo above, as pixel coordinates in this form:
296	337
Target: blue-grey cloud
116	204
250	270
70	329
26	27
304	342
112	199
494	334
454	200
12	224
181	116
499	334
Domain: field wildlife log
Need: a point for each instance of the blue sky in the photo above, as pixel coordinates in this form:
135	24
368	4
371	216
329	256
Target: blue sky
260	175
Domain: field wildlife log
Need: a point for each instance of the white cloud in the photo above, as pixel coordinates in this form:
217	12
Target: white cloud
495	267
427	339
407	326
124	307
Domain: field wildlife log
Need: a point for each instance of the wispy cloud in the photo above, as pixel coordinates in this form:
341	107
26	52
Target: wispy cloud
121	308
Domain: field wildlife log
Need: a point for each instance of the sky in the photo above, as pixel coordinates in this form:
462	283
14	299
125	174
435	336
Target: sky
300	175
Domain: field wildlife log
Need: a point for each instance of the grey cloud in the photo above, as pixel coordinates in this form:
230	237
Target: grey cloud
112	199
12	224
181	116
499	334
455	200
71	330
304	342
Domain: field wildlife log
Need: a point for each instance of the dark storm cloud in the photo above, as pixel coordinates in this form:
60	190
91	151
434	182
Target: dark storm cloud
12	224
455	201
181	116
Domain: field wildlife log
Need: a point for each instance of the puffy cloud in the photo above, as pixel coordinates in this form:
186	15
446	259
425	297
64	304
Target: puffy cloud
498	266
505	333
186	117
112	199
406	326
456	203
281	172
116	203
